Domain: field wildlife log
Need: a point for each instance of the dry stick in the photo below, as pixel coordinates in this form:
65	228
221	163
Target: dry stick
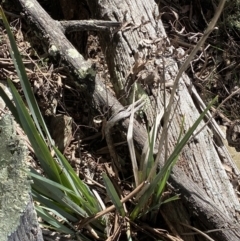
213	125
209	29
198	231
111	208
225	100
38	68
210	231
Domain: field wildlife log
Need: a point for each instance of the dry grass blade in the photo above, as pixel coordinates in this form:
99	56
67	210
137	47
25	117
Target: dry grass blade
116	118
131	145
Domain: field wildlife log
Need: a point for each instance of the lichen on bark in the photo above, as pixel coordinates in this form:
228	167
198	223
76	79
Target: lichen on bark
14	184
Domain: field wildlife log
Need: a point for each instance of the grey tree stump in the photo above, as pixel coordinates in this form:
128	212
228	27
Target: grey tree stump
18	220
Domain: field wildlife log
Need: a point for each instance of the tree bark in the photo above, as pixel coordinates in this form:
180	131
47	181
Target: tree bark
204	171
200	175
18	217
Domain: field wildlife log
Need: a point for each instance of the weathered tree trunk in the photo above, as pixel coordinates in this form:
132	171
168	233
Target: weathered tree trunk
18	217
208	199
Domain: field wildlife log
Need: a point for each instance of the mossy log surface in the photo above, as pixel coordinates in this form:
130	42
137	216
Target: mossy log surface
18	219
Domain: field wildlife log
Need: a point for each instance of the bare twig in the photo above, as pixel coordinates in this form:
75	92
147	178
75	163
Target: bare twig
111	208
211	117
198	231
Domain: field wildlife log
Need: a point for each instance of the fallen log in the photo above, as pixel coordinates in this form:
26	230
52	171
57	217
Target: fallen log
208	196
204	172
